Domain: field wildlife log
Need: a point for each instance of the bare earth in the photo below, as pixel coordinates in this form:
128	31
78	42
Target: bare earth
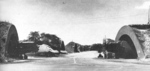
84	61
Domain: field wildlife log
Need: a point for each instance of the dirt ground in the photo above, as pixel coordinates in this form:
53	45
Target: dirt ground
84	61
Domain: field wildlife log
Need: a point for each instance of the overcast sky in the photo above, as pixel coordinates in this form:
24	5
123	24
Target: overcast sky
82	21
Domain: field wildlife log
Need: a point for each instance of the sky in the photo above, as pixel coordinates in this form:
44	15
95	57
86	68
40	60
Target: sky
81	21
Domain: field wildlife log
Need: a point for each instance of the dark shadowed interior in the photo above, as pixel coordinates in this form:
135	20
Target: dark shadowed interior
130	51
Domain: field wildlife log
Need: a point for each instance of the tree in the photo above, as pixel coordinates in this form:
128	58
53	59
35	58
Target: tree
42	35
53	41
34	36
96	46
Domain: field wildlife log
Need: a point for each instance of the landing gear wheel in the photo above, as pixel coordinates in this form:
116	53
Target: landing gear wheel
25	56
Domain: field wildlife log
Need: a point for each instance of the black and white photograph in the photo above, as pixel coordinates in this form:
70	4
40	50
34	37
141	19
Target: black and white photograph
74	35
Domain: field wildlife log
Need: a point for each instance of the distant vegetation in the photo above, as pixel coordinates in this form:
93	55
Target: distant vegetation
45	38
58	44
34	36
72	47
